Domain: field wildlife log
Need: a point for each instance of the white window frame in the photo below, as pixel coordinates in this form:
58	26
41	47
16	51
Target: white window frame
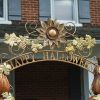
75	14
4	19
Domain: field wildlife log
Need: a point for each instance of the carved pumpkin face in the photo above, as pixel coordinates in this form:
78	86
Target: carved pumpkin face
4	84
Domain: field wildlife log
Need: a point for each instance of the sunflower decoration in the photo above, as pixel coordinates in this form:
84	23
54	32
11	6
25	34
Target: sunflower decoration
52	33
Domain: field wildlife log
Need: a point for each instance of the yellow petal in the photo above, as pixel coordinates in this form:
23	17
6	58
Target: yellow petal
44	25
50	42
50	22
40	30
61	27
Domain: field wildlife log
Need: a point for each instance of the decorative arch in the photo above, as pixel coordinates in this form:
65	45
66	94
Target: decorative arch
47	41
51	55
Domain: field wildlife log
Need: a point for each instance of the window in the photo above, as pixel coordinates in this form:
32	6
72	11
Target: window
62	10
76	11
1	8
4	12
59	9
65	11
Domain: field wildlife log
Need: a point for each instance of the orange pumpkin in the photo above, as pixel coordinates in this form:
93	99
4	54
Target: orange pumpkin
4	84
91	98
97	70
96	81
96	84
1	98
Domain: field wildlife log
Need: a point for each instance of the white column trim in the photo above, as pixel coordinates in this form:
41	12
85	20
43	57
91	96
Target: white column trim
76	15
52	9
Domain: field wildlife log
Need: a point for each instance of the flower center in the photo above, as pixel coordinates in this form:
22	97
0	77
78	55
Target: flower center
52	33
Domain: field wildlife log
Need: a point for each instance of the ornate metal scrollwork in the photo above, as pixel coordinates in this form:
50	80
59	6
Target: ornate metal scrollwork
70	29
16	50
3	56
85	52
51	34
31	28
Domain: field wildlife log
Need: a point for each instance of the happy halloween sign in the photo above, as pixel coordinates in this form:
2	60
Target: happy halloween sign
50	55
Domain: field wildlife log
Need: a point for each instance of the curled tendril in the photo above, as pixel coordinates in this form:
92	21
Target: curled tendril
15	50
2	56
85	52
31	28
70	29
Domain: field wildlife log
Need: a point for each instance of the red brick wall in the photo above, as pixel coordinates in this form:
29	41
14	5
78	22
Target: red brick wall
95	12
30	10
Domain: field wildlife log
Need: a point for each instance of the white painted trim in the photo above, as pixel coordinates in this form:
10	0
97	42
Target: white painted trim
5	22
90	77
52	8
65	22
4	19
75	14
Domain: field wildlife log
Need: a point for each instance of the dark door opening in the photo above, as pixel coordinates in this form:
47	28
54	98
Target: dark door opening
48	81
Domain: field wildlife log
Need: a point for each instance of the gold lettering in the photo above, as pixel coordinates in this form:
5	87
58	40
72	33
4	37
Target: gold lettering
71	58
22	59
17	63
45	55
66	58
11	63
81	61
52	55
76	59
27	57
33	58
57	55
85	64
62	57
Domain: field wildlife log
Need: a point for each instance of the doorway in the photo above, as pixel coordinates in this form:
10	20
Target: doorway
48	81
